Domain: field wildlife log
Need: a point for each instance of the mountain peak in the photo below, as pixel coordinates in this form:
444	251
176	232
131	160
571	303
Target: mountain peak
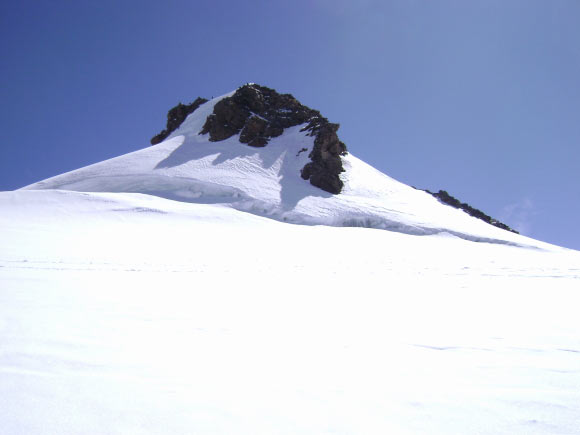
265	153
257	114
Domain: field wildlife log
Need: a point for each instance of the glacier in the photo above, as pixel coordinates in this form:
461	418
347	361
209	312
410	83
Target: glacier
199	287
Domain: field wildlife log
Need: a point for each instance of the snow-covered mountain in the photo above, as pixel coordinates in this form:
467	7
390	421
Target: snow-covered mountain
170	291
267	180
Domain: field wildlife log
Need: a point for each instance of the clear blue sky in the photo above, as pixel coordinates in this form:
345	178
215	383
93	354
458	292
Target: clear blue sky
480	98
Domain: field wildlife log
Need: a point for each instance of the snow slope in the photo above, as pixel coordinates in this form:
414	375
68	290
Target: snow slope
170	291
266	181
124	313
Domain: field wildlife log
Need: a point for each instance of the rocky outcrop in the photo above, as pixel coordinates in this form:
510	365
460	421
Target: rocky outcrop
324	169
175	118
445	198
258	113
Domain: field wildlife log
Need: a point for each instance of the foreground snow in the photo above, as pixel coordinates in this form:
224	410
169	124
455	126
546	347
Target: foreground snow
128	313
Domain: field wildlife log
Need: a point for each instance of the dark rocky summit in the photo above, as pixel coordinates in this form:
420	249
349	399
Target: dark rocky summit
175	118
257	114
445	198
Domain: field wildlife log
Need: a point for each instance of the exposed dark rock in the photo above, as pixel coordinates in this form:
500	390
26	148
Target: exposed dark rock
254	131
258	113
445	198
175	118
324	169
227	119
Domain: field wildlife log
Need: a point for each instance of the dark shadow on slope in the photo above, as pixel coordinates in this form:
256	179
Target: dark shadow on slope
399	227
225	151
293	187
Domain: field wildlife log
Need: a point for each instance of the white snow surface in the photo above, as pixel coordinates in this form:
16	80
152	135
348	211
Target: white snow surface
154	294
266	181
125	313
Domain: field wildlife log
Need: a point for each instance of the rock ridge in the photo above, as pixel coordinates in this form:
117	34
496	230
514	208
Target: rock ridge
175	118
446	198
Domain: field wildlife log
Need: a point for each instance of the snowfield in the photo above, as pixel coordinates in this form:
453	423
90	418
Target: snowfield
127	313
205	288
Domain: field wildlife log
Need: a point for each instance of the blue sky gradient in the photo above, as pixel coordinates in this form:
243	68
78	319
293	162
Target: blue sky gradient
480	98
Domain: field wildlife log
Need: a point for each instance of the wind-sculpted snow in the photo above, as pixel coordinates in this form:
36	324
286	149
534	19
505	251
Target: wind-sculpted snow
126	313
267	182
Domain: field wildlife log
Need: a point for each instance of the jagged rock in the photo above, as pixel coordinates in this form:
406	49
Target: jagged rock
254	131
258	113
227	119
324	169
446	198
175	118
